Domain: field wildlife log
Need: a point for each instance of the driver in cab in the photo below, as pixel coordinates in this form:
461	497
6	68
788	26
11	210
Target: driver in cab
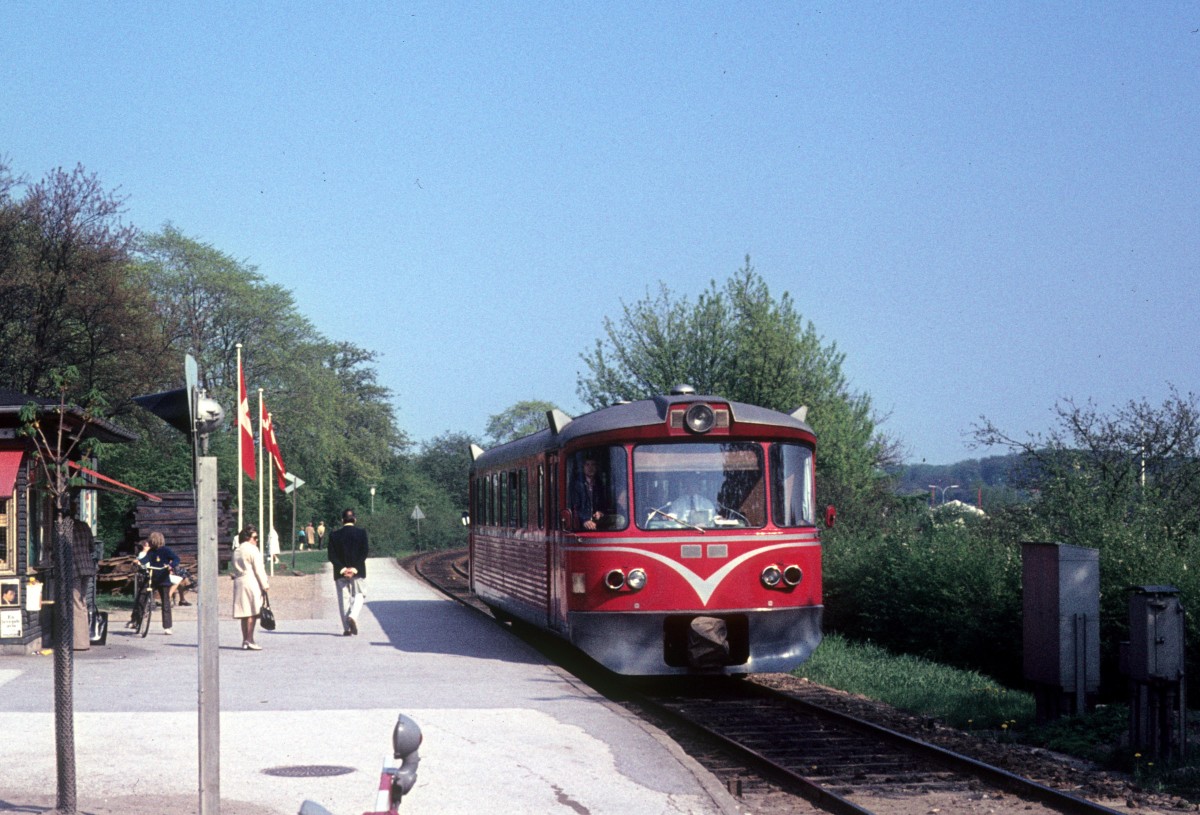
589	499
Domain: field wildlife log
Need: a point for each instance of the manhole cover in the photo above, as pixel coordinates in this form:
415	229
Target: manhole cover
308	771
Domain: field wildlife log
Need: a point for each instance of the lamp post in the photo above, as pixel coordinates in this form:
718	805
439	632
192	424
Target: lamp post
372	499
935	488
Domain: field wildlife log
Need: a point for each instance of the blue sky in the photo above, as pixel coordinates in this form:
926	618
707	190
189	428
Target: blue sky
987	207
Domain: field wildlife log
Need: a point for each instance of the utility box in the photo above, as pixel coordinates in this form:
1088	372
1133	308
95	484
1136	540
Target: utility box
1061	625
1156	636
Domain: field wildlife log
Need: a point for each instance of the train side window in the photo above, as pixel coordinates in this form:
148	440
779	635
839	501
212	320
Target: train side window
504	498
598	491
514	499
552	489
523	479
541	496
492	500
792	498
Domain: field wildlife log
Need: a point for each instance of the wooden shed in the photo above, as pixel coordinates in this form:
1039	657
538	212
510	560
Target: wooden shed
175	518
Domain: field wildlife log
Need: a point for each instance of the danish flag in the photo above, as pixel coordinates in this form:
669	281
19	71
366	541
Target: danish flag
272	448
247	437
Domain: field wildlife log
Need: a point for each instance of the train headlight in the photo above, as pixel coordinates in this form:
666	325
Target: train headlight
636	580
771	576
615	579
699	418
792	575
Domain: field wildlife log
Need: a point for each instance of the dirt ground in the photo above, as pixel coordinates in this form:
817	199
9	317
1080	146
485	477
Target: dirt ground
294	596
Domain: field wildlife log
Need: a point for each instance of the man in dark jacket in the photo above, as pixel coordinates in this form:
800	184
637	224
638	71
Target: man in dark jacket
348	554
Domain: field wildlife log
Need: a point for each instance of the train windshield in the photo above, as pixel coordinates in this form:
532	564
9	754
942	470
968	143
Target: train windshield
791	485
699	485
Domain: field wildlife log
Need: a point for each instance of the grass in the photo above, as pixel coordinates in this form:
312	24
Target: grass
970	701
963	699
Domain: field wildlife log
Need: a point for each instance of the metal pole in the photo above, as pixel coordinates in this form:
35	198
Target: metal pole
294	525
64	656
208	638
239	435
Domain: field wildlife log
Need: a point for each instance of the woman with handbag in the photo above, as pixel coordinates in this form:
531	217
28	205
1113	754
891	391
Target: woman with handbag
249	585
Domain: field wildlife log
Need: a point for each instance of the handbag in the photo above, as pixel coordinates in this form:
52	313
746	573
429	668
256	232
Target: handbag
266	617
98	626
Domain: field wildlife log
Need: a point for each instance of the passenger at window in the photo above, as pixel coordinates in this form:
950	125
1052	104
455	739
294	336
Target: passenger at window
589	499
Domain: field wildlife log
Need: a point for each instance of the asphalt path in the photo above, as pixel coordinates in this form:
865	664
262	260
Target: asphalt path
504	732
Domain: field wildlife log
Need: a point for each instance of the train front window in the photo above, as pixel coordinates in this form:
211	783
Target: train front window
791	485
702	485
598	490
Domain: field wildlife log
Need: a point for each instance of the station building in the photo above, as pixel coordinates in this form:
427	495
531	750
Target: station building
27	517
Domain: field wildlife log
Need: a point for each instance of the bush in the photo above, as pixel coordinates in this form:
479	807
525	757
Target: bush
943	589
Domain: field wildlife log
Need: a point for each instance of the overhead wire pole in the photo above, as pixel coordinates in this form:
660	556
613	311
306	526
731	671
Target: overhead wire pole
203	415
208	671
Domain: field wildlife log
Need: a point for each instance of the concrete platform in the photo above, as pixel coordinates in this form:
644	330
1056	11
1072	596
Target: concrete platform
504	731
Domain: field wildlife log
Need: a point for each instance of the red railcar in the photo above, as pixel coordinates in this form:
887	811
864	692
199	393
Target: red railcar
672	535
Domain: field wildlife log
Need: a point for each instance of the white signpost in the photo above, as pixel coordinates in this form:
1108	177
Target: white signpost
417	515
295	482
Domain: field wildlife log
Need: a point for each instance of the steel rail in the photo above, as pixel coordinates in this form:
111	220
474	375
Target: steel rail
1010	782
797	783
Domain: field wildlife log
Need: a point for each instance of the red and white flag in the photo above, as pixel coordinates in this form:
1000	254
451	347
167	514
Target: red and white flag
246	440
272	448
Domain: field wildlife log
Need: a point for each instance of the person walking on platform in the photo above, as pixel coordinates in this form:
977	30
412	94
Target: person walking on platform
348	554
249	585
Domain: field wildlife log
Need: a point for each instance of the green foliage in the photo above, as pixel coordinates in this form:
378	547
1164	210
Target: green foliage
740	342
940	587
1123	483
1092	736
446	461
964	699
522	419
69	298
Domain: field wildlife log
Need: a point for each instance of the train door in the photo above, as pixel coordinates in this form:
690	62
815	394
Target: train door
554	550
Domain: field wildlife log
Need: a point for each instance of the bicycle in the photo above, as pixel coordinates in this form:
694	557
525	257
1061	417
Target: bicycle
143	598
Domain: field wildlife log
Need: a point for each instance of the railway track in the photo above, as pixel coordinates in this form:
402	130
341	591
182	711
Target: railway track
781	754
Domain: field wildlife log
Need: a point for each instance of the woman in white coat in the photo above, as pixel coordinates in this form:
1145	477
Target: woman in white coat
249	585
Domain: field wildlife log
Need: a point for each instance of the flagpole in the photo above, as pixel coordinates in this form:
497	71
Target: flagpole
271	489
240	526
261	444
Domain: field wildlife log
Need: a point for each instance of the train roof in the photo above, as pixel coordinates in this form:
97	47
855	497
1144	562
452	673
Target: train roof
642	413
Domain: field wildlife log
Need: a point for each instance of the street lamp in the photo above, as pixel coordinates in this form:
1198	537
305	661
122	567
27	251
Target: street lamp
372	500
935	488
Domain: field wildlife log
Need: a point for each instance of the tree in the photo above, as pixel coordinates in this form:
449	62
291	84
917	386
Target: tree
739	342
519	420
69	293
334	422
446	461
1124	483
60	434
1140	462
